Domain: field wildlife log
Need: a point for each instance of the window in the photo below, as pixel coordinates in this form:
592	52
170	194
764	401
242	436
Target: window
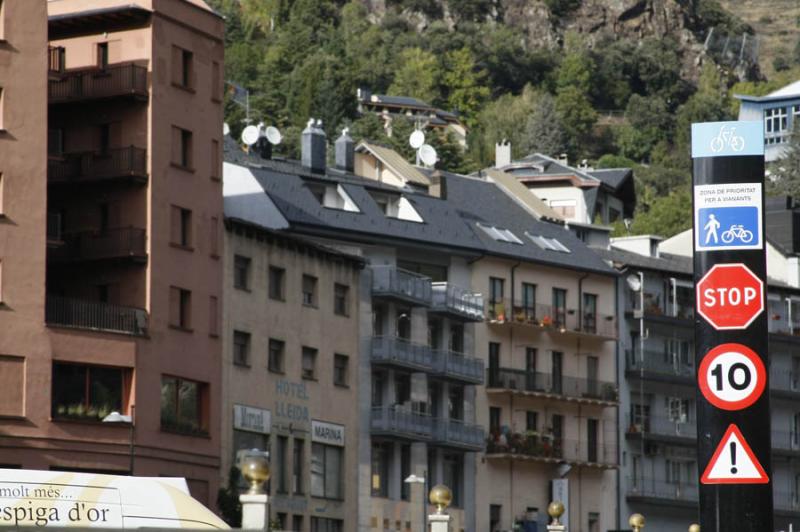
456	337
213	316
332	197
182	68
297	466
281	518
564	207
309	363
380	469
453	476
181	227
341	368
496	289
214	236
589	318
215	153
405	471
403	323
245	440
102	55
529	300
495	510
297	522
181	148
180	308
494	419
241	348
775	120
547	243
309	290
341	297
396	206
531	421
327	465
282	463
276	283
499	234
322	524
241	272
594	522
88	392
455	402
275	358
677	409
182	407
216	81
559	307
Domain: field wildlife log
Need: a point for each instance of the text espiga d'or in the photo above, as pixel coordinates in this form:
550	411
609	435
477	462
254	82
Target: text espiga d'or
22	514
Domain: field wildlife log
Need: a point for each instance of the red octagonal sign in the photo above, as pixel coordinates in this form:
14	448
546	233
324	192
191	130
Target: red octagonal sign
730	296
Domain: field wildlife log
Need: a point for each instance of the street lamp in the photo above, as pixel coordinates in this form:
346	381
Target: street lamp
116	417
414	479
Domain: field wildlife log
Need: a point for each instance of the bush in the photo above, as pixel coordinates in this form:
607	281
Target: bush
561	8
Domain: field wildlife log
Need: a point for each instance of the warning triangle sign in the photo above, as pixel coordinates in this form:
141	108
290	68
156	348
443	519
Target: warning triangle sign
734	462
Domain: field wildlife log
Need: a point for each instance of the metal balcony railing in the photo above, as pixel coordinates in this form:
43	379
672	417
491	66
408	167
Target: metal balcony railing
399	352
546	447
401	422
99	83
457	301
649	487
517	380
658	362
116	163
391	281
786	440
551	318
456	433
95	316
784	381
124	242
664	426
459	367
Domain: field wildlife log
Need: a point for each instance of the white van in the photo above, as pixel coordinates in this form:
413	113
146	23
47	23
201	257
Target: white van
63	499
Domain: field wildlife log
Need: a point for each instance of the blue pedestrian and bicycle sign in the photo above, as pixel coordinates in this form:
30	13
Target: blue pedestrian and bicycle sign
727	216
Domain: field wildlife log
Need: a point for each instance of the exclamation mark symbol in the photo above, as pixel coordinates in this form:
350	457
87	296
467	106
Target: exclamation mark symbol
733	457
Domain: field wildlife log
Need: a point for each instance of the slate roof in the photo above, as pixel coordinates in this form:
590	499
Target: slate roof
449	224
613	177
676	264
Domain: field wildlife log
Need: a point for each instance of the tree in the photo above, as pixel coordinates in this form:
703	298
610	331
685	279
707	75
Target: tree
464	85
576	112
666	217
784	174
544	132
503	119
417	76
649	122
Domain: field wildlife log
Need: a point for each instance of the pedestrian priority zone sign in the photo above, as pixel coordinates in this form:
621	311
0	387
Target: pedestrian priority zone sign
727	216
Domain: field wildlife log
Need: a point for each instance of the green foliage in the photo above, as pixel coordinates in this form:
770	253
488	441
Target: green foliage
784	174
464	85
544	132
228	499
782	61
611	160
417	75
576	112
667	216
503	119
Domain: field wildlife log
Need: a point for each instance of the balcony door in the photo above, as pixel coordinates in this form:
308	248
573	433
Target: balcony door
589	318
530	368
558	434
559	307
556	371
592	368
592	426
494	364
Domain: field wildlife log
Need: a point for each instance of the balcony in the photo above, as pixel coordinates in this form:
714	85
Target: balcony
457	434
95	316
116	164
535	447
551	319
113	81
784	383
786	443
395	283
457	302
676	430
394	351
457	366
657	308
121	243
400	423
783	319
659	366
647	489
572	389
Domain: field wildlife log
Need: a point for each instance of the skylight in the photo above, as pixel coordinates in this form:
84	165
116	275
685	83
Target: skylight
500	234
550	244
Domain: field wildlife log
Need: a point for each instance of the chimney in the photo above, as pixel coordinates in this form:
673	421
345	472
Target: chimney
502	154
312	147
563	159
345	152
438	188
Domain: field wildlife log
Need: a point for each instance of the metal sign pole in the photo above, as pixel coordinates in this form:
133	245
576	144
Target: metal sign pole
733	414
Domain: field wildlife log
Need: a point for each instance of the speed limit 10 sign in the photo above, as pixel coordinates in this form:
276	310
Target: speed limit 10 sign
732	376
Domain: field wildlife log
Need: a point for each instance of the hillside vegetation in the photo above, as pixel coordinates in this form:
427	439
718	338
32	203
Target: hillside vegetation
539	73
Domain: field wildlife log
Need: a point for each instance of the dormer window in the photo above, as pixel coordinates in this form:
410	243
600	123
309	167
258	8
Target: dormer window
396	206
500	234
333	197
550	244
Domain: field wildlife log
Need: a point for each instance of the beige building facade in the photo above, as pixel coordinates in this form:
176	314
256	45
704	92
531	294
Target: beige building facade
127	306
290	372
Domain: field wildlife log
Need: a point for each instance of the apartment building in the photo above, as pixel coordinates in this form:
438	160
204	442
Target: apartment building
133	273
779	110
290	372
416	369
659	470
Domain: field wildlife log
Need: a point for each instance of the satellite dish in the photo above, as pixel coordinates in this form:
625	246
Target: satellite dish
226	129
273	135
634	283
250	135
417	139
427	155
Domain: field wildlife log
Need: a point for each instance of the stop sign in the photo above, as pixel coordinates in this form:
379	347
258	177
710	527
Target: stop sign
730	296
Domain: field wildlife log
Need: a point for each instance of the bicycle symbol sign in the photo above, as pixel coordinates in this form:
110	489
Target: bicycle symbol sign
728	216
727	137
